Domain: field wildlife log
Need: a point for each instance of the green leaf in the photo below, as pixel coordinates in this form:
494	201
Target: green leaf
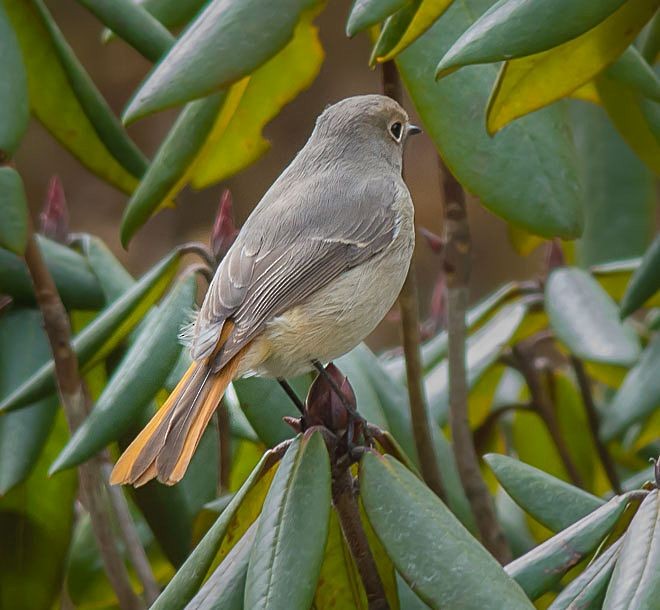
587	590
483	349
292	530
36	519
103	334
551	501
516	28
586	320
53	100
635	117
14	101
134	24
13	210
402	29
613	178
168	171
191	68
23	347
635	583
75	282
651	45
225	587
631	68
236	140
526	175
104	122
422	548
113	277
366	13
181	589
645	282
532	82
542	568
137	379
637	398
264	403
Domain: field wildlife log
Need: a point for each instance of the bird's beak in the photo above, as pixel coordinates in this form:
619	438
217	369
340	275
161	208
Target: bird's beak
413	130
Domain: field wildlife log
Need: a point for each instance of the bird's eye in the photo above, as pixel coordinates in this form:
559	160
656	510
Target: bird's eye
396	129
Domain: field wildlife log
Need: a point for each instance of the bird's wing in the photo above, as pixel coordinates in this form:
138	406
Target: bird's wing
288	249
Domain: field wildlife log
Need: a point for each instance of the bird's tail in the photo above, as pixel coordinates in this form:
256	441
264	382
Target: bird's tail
165	447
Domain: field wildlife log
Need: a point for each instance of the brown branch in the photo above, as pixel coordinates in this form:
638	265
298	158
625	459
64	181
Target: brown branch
92	488
343	498
482	433
524	363
594	424
410	338
456	266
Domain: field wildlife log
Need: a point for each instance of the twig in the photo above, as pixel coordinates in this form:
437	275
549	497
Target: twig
345	503
129	535
410	338
523	362
224	438
58	329
594	424
456	266
483	432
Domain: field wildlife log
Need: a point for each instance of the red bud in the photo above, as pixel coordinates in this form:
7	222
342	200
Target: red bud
434	241
55	216
554	255
224	230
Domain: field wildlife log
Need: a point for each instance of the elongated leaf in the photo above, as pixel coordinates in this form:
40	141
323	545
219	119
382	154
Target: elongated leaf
588	589
103	120
191	69
542	568
53	100
13	210
365	13
111	274
613	178
166	174
516	28
532	82
551	501
225	587
134	24
651	46
423	548
181	589
635	117
586	320
76	284
102	335
632	69
235	144
35	528
645	282
635	582
297	508
483	349
136	381
14	102
638	396
23	347
400	33
526	175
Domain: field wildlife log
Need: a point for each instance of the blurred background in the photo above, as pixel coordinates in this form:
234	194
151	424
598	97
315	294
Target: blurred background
97	207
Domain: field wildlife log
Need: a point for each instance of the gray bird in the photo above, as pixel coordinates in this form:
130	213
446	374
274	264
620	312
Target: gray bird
314	269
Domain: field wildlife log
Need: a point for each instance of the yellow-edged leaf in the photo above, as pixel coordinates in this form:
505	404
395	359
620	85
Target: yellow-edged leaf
236	139
587	93
529	83
424	18
523	242
53	101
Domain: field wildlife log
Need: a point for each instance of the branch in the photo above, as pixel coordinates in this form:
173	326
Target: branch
456	266
482	433
409	307
593	418
523	362
92	488
345	503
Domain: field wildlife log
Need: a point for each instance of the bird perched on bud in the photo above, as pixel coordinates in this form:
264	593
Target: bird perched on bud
314	269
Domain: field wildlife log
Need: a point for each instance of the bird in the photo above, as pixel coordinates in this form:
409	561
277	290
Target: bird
315	267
